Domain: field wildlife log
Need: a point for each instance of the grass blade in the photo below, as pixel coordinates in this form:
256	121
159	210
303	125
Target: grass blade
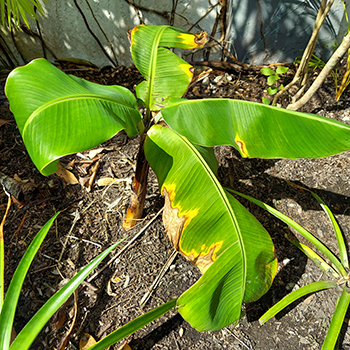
337	321
306	234
290	298
9	308
340	239
133	326
327	269
2	255
37	322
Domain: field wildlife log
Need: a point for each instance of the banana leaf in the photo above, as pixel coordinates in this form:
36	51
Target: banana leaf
210	228
257	130
59	114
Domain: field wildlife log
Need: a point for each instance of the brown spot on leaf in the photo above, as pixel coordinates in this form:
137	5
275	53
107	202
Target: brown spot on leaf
174	226
172	223
203	262
242	146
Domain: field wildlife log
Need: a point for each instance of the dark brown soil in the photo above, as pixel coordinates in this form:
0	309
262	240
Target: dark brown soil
91	221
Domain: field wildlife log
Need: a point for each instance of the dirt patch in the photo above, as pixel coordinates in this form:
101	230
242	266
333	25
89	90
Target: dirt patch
91	221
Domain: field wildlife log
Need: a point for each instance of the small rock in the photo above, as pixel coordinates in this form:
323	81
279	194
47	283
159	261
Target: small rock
206	81
217	79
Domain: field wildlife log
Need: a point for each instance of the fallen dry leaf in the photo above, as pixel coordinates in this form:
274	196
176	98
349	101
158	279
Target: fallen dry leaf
17	178
105	181
88	181
86	341
4	121
94	152
66	175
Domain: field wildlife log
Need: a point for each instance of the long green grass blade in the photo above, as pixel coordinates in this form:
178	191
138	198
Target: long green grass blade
2	255
290	298
337	321
9	308
37	322
327	269
133	326
312	239
340	239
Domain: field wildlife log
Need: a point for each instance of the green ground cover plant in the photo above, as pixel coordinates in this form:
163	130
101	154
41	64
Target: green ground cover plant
272	78
59	114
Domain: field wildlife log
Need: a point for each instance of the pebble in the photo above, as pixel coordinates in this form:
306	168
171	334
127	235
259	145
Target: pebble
206	81
217	79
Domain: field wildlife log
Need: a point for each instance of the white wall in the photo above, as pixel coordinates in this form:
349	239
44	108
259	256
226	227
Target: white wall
286	24
65	32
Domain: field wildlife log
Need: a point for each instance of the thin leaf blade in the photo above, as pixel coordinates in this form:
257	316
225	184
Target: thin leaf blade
337	321
290	298
9	308
306	234
340	239
133	326
28	334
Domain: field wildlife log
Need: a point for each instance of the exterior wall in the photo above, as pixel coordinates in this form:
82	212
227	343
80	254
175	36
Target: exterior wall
268	31
66	34
258	31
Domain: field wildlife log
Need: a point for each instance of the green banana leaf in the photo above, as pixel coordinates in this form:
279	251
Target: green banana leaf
257	130
59	114
167	75
212	229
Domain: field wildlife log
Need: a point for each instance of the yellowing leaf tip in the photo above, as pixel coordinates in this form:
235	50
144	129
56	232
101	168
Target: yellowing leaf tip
193	41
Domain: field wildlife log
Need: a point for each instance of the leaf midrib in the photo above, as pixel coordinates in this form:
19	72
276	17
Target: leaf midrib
71	98
300	114
227	205
152	66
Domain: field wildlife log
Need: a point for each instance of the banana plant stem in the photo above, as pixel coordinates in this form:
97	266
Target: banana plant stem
139	189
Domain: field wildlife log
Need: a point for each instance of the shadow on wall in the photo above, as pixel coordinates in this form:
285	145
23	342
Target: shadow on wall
261	31
95	30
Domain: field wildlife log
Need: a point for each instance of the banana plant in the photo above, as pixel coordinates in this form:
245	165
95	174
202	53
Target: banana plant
336	270
58	114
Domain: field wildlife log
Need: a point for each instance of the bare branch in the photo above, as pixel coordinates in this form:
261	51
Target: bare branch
332	62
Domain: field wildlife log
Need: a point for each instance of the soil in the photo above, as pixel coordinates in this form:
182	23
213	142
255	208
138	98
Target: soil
91	220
